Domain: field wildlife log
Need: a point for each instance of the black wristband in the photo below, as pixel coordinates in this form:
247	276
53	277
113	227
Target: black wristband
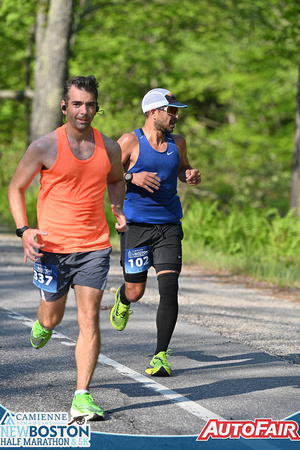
128	177
20	231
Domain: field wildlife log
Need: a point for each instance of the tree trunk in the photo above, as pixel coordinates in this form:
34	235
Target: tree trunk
295	188
54	24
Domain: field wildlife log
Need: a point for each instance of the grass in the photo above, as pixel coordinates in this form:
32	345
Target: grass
244	241
273	272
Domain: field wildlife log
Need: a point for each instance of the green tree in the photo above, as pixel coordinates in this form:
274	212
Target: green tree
234	62
53	29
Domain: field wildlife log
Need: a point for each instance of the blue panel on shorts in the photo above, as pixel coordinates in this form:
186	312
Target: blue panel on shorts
45	277
138	259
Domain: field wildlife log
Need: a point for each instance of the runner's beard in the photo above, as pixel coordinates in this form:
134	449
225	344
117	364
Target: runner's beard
163	128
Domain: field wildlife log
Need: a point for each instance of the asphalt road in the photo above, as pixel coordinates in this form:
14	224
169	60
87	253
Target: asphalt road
235	354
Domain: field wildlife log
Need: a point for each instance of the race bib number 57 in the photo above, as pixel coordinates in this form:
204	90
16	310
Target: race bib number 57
45	277
138	259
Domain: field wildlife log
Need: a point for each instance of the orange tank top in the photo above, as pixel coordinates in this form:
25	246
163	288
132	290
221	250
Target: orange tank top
70	202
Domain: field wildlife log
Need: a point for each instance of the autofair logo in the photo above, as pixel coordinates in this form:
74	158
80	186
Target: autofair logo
258	429
43	430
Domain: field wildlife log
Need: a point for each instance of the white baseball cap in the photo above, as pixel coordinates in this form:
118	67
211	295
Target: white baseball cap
157	98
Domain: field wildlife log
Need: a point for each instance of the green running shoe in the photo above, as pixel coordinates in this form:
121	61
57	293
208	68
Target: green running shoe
159	366
39	336
120	313
83	405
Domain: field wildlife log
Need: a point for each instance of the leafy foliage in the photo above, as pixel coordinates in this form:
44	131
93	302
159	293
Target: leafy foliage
262	235
234	62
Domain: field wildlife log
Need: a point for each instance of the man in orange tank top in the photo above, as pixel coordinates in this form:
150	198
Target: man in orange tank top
70	246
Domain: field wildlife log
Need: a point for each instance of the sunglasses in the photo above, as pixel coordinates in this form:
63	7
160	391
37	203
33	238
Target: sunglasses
171	110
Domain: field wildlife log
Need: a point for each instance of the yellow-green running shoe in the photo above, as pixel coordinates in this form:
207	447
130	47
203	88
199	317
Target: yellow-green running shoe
39	336
159	366
120	313
83	405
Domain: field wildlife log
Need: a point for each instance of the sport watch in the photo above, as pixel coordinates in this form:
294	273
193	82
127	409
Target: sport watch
20	231
128	177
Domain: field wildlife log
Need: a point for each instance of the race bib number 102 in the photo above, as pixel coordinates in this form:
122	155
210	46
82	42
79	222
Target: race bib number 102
138	259
45	277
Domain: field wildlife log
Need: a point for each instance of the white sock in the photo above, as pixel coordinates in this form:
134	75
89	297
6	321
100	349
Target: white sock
81	391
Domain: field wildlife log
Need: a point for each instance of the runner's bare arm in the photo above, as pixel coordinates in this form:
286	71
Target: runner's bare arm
30	165
115	183
186	173
130	150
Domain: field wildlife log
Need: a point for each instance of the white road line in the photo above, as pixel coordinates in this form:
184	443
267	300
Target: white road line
186	404
190	406
29	323
183	402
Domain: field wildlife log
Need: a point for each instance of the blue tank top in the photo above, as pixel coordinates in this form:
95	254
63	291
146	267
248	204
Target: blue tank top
163	205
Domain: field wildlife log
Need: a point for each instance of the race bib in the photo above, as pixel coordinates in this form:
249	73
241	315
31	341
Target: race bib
138	259
45	277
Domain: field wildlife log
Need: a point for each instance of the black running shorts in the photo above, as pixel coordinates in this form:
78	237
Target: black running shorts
165	244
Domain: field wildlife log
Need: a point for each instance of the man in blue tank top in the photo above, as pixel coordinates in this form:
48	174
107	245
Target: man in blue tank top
153	159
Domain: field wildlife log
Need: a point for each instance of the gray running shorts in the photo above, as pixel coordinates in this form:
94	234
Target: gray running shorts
85	269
